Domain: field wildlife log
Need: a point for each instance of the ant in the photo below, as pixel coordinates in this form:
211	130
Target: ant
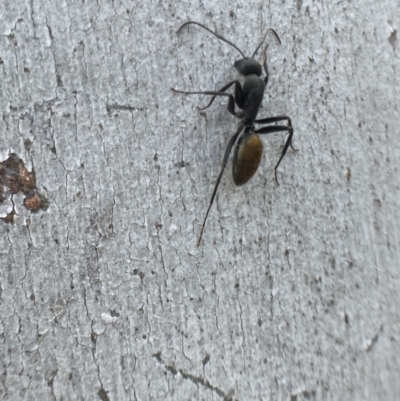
248	98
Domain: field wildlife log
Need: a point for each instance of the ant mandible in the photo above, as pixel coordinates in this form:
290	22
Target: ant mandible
248	98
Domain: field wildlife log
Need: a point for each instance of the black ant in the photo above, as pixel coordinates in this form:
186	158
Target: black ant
248	98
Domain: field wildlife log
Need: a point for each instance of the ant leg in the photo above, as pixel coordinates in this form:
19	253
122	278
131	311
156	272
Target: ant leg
239	99
266	73
265	66
277	128
265	52
238	94
224	162
231	103
270	120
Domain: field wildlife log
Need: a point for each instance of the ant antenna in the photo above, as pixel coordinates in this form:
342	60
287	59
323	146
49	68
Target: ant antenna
215	34
266	33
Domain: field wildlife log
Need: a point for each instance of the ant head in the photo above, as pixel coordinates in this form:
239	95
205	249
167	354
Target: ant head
247	66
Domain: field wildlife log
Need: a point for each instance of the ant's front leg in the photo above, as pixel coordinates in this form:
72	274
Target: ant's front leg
239	98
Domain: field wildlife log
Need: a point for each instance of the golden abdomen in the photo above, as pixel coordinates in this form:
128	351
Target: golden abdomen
247	157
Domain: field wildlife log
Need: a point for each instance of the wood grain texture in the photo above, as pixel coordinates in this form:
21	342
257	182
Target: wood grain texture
294	292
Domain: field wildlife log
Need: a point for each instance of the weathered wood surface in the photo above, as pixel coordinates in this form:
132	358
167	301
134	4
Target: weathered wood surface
294	291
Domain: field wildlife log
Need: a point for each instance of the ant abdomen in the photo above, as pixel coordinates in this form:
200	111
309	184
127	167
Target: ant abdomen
247	158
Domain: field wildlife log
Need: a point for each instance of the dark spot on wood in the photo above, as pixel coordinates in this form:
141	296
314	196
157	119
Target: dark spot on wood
103	395
206	359
15	178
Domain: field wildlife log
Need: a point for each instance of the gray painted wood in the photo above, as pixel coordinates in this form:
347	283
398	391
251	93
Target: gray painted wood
294	291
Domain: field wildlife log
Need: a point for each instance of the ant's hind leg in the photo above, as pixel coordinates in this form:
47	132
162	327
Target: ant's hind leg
271	120
277	128
224	162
